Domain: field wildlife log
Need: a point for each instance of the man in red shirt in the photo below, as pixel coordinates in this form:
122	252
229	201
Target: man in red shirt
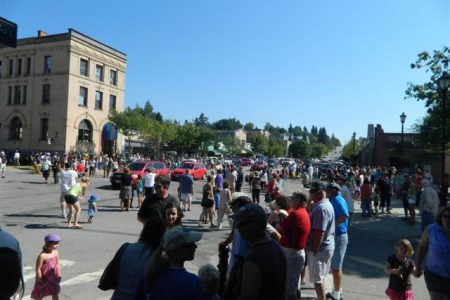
294	234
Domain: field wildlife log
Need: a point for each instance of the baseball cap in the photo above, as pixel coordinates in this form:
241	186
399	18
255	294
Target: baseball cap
333	185
93	198
176	236
52	238
316	186
249	211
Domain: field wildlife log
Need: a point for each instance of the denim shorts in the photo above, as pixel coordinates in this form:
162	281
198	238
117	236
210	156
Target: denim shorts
295	260
340	246
319	265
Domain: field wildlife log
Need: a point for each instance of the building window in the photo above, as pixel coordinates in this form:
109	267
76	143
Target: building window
85	131
113	77
83	96
16	130
46	93
99	73
44	129
98	100
19	66
17	89
48	62
24	94
11	67
9	94
112	102
28	66
84	67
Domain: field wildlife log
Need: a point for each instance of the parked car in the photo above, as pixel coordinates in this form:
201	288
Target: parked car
272	163
245	162
198	170
259	166
138	168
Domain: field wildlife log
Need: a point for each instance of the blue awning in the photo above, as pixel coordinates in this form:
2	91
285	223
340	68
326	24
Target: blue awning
109	132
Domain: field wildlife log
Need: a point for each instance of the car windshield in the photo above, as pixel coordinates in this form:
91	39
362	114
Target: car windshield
186	165
136	166
157	165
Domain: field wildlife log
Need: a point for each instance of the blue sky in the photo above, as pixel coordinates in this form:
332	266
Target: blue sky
333	64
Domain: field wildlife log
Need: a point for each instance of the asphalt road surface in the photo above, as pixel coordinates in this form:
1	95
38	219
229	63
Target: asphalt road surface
29	210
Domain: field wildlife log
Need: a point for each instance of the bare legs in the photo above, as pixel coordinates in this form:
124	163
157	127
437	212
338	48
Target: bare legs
76	216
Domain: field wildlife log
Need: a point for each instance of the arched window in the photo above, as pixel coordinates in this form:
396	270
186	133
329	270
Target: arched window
15	129
85	131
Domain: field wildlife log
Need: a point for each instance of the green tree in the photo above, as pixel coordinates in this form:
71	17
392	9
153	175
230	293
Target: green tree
259	143
335	141
430	130
249	126
201	121
276	146
352	148
322	137
129	122
227	124
300	149
318	150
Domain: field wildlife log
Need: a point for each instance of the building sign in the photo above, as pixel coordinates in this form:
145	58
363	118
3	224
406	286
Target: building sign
8	33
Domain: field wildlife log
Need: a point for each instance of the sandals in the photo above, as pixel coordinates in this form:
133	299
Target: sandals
77	226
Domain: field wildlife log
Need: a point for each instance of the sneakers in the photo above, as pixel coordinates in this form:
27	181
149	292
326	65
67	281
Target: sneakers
333	296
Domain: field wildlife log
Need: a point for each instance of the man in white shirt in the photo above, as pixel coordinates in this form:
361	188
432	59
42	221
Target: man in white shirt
149	182
2	163
68	178
17	157
347	195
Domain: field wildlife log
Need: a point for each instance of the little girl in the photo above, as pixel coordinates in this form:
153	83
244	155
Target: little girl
400	267
48	273
172	215
140	190
224	201
92	208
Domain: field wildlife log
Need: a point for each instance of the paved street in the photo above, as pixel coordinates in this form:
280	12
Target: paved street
29	209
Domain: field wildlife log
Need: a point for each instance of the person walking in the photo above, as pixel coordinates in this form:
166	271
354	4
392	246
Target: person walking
17	157
92	208
320	245
400	267
429	204
207	202
149	182
126	181
48	271
67	179
155	204
294	234
256	186
385	189
3	162
186	185
341	216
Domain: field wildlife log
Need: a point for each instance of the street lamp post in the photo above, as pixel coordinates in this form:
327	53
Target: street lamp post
402	120
444	83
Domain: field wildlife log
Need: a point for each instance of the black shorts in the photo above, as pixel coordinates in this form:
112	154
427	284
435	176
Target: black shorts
70	199
436	283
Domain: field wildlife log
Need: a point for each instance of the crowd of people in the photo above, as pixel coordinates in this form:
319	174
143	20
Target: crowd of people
272	248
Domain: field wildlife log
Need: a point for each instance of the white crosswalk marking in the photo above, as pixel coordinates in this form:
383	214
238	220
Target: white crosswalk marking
83	278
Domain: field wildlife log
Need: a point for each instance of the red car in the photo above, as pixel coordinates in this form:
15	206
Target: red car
245	162
198	170
259	166
138	168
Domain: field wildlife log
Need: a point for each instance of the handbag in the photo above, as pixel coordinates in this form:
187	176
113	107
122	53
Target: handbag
108	281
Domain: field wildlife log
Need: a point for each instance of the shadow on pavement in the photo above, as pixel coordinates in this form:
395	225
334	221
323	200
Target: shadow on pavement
104	187
32	216
372	240
44	226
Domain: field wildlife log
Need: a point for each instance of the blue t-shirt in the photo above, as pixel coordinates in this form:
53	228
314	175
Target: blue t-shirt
174	284
186	184
437	259
340	209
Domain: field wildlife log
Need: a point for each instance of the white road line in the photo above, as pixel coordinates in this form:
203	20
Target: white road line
83	278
